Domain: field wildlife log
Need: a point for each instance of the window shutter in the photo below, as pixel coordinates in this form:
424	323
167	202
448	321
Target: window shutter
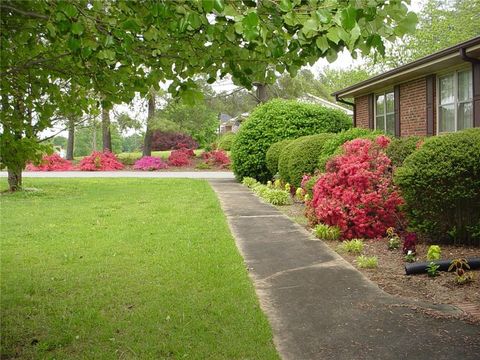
396	99
371	111
430	104
476	94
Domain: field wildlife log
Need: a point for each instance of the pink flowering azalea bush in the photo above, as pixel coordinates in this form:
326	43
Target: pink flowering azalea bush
357	192
180	157
52	162
217	158
150	163
100	161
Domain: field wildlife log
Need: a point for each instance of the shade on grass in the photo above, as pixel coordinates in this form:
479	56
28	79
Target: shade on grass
117	268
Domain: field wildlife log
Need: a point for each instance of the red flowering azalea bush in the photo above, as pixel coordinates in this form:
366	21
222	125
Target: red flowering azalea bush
100	161
150	163
52	162
216	158
357	192
180	157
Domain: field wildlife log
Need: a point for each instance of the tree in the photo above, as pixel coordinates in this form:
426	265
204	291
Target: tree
336	79
117	48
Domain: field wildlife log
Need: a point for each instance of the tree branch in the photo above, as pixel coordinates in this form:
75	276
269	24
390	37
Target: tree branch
24	13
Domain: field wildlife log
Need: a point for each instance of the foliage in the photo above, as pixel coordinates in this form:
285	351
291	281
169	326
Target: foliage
179	158
88	138
334	79
460	266
400	148
394	241
52	162
150	163
129	158
272	195
171	140
289	87
333	146
410	256
434	252
273	155
217	158
203	166
410	243
301	157
300	194
249	182
132	143
357	193
275	121
327	232
367	262
440	183
225	141
354	246
432	269
100	161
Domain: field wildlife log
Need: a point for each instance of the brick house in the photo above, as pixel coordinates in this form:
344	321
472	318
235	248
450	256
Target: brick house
435	94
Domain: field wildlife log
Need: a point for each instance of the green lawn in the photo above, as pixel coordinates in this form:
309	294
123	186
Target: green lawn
123	269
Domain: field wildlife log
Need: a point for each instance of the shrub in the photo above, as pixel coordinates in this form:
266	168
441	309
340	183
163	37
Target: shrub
273	155
179	157
271	195
357	193
225	142
275	121
249	182
333	146
327	232
149	163
410	243
100	161
434	252
165	140
400	148
203	166
52	162
354	246
367	262
128	159
301	157
440	183
216	158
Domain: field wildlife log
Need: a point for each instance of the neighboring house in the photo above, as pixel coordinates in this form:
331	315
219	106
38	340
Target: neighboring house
435	94
312	99
224	126
232	124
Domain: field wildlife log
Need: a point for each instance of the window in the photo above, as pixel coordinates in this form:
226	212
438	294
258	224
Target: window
455	106
385	113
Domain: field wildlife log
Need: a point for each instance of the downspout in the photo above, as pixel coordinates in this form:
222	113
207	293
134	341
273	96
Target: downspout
337	98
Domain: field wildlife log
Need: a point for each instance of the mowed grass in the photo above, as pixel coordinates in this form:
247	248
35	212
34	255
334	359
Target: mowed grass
124	269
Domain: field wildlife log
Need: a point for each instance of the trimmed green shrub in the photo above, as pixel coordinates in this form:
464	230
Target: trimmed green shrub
400	148
275	121
333	146
225	141
273	155
302	157
440	183
128	158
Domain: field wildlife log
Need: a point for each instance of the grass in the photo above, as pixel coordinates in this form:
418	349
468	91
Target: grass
367	262
124	268
354	246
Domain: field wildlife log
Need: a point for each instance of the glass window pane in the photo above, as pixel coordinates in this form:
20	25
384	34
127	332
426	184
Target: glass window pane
390	124
390	103
446	89
380	123
465	116
447	118
465	87
380	104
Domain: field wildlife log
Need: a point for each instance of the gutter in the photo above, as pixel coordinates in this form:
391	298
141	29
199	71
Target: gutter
465	57
337	98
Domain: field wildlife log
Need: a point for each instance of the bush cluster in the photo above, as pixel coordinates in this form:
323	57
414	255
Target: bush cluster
164	140
225	141
150	163
400	148
440	183
216	158
273	155
100	161
53	162
301	156
180	157
128	159
275	121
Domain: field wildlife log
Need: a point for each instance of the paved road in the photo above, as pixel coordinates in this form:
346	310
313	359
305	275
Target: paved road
320	307
127	174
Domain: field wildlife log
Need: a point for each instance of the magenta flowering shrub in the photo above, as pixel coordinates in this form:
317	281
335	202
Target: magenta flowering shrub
217	158
100	161
150	163
52	162
180	157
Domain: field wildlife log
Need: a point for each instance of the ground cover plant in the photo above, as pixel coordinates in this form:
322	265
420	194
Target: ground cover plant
53	162
144	269
150	163
100	161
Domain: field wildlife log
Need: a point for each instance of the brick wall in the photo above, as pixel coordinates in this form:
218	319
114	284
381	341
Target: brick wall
413	110
361	111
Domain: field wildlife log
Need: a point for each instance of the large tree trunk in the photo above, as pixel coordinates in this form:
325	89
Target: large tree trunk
106	135
71	139
261	93
15	178
147	143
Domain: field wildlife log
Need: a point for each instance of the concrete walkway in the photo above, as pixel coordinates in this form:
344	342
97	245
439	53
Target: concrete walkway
320	307
126	174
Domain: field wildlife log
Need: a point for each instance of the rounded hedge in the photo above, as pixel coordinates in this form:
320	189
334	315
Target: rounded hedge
440	183
400	148
333	145
225	142
273	155
302	157
275	121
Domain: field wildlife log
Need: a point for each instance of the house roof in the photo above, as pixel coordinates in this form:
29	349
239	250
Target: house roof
317	100
422	67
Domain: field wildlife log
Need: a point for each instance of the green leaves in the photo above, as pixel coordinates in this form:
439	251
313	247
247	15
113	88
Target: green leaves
407	24
322	43
209	5
250	26
77	28
349	18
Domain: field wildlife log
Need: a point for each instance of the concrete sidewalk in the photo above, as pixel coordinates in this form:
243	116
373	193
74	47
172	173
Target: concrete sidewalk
127	174
320	307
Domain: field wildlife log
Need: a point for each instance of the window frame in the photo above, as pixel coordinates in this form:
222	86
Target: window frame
456	101
386	113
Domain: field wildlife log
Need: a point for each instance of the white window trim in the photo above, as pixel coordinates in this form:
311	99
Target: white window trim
456	102
384	93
